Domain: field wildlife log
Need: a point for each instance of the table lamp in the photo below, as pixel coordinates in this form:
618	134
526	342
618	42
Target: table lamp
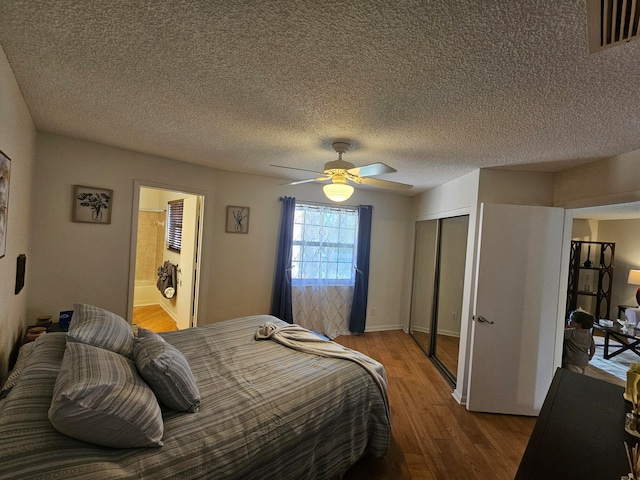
634	279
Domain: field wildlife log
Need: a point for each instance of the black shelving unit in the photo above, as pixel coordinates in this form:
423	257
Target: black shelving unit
591	277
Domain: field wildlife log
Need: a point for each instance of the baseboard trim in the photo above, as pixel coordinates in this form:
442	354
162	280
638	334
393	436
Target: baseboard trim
383	328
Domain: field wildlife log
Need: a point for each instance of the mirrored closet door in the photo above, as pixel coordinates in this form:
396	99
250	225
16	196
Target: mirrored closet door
436	302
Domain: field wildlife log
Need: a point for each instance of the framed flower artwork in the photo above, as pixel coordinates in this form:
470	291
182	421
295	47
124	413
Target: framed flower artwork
92	204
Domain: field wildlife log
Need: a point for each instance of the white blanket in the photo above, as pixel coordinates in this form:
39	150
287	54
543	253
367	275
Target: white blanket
303	340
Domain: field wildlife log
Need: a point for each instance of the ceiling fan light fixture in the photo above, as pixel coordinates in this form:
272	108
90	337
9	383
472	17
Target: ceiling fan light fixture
338	192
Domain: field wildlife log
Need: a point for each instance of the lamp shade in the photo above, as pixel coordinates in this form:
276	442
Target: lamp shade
634	279
339	192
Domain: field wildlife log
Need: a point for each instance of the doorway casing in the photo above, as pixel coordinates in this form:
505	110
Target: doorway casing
192	270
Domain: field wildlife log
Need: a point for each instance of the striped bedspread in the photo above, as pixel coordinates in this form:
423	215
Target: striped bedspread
267	412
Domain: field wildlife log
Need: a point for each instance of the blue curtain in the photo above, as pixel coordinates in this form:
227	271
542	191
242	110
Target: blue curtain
357	320
281	299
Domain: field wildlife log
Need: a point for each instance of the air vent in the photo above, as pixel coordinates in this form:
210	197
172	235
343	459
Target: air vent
611	22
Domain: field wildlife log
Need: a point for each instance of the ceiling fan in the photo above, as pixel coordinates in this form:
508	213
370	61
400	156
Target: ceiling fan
341	173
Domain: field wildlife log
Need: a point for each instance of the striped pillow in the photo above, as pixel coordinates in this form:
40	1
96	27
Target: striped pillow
167	371
101	328
100	398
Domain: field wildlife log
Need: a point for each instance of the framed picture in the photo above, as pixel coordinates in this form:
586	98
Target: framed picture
92	204
5	177
237	219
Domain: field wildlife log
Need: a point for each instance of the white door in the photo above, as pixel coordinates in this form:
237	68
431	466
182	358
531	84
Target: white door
184	301
513	333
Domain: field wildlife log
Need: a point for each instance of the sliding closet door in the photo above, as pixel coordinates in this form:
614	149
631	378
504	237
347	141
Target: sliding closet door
424	270
452	256
436	302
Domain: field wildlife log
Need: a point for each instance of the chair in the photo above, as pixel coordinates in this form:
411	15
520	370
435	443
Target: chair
633	316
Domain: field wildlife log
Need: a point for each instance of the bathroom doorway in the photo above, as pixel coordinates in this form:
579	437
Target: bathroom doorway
171	303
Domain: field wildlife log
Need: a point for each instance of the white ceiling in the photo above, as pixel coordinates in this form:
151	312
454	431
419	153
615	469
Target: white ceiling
433	88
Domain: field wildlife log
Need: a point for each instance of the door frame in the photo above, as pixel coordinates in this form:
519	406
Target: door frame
137	185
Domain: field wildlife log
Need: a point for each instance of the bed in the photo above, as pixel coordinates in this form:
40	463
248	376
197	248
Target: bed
266	411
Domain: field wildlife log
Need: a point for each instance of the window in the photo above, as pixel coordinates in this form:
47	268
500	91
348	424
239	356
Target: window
174	225
324	244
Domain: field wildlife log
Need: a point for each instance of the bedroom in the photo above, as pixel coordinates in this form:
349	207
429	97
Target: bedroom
64	259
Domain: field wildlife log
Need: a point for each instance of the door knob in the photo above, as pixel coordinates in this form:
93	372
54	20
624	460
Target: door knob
481	319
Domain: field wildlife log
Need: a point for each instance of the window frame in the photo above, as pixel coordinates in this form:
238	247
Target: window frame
297	281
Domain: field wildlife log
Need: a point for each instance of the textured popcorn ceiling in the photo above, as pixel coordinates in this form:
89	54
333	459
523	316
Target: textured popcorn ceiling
433	88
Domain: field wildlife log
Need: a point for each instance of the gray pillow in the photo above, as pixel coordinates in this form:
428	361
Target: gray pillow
167	371
101	328
99	398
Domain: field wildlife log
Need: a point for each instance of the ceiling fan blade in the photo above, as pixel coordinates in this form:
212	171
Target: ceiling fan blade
319	179
376	182
371	170
299	169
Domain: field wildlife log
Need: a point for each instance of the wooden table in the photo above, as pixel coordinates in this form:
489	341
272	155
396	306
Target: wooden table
579	433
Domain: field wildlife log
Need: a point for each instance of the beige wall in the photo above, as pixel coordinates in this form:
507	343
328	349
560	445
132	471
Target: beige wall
625	234
513	187
76	262
150	245
605	182
17	141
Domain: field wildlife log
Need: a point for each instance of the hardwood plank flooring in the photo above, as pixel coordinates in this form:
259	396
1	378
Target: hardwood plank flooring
154	318
435	438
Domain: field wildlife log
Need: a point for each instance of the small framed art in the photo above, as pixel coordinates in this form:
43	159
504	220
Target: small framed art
92	204
237	219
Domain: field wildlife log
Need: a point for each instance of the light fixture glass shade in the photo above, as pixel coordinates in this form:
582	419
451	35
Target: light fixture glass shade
338	192
634	277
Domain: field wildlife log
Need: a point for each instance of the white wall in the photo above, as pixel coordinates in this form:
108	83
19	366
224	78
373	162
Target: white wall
76	262
17	141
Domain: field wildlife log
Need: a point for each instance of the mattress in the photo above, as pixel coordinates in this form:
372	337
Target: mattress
267	411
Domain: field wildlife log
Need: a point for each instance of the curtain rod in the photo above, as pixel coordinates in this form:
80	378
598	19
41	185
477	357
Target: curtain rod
327	205
330	205
156	210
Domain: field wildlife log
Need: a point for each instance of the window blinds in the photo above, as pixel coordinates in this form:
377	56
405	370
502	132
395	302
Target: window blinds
174	225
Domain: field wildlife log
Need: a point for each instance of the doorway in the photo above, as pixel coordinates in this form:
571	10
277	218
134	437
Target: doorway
149	304
438	278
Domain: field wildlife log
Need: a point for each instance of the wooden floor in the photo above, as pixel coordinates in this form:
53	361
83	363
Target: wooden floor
154	318
433	436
